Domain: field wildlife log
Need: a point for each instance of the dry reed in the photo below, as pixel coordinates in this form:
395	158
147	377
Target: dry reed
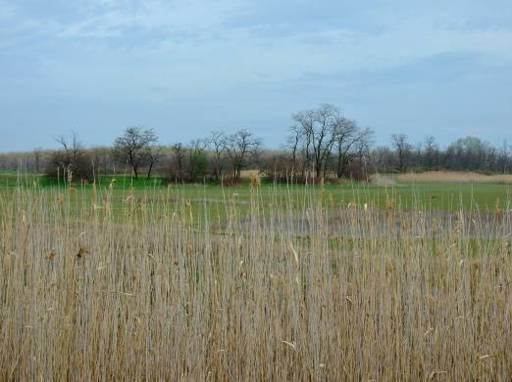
154	290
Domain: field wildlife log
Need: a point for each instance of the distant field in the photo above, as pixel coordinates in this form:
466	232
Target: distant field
441	191
454	177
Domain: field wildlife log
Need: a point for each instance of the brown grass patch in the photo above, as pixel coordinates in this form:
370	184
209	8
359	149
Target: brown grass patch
453	177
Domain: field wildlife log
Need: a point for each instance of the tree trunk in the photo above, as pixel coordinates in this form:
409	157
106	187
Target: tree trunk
339	167
318	169
149	170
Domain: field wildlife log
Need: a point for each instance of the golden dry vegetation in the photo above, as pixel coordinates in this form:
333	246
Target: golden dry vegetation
156	292
454	177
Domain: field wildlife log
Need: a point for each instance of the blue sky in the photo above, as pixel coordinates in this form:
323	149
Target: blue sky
184	68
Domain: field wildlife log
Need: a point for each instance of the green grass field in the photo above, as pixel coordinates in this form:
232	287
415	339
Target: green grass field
436	196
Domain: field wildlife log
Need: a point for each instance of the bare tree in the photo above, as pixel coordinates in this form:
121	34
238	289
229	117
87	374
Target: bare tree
217	144
153	156
294	140
302	135
347	134
431	152
318	128
361	151
136	148
328	117
73	149
504	158
71	161
177	170
239	147
403	150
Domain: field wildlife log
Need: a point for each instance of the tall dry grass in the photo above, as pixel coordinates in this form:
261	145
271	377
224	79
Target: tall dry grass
157	291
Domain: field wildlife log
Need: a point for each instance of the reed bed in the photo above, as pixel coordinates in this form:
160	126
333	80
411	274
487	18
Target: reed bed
158	290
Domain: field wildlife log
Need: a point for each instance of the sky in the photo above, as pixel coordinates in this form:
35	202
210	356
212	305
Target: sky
185	68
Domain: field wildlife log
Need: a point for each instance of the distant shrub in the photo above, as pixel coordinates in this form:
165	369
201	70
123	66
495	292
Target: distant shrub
70	167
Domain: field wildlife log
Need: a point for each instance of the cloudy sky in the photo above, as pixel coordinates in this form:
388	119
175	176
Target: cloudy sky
186	67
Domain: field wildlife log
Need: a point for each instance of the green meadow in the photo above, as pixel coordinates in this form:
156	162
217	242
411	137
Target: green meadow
437	196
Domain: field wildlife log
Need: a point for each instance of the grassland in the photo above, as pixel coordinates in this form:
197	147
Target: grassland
438	191
133	281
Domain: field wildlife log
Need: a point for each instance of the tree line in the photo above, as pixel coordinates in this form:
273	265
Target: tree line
322	145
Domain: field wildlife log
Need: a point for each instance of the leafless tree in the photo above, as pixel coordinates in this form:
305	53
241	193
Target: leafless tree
136	147
177	170
353	150
324	133
294	140
239	147
153	156
403	150
347	136
71	162
319	129
73	149
431	152
362	153
302	133
504	157
217	145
